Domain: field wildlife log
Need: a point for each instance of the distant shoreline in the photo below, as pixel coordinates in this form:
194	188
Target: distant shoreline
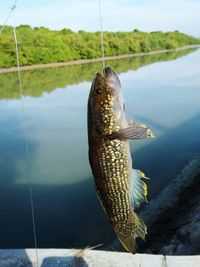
84	61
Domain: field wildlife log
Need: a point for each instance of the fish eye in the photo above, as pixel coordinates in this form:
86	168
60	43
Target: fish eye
98	91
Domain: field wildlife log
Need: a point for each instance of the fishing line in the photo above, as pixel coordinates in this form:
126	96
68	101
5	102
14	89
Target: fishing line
102	39
26	141
7	18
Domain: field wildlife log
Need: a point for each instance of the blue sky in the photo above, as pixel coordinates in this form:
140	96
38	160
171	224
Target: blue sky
117	15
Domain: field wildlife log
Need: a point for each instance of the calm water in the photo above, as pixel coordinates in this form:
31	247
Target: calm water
43	138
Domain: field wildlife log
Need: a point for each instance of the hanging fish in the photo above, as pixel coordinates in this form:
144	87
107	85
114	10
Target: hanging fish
120	188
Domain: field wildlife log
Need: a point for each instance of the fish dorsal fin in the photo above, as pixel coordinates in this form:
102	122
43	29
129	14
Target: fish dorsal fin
134	131
138	188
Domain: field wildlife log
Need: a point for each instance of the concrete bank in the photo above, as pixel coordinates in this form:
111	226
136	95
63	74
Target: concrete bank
90	258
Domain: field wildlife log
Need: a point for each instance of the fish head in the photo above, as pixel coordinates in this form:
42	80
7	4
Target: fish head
106	104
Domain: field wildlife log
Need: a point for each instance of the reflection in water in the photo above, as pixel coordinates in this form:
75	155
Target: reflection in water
164	95
13	153
36	82
66	216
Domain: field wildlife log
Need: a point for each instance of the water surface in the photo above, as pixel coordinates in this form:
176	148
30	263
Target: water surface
43	139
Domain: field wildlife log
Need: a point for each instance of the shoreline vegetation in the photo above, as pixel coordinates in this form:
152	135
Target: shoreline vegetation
41	47
92	60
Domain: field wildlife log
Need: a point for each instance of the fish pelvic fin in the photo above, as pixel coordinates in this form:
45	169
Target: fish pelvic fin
129	231
138	188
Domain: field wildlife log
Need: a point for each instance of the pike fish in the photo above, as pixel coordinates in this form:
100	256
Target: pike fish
120	188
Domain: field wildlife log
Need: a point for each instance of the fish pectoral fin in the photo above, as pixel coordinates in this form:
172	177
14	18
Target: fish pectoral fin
134	131
138	188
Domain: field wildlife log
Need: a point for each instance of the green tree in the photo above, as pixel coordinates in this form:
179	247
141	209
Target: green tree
41	45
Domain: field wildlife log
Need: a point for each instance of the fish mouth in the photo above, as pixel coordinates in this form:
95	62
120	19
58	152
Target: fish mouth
109	76
108	72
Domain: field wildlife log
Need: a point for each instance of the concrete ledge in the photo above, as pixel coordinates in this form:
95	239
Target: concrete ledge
90	258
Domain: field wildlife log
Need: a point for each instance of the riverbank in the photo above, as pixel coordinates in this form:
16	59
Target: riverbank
85	61
173	218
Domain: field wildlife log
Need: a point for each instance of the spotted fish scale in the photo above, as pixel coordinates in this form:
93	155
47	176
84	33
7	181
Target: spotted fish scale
114	185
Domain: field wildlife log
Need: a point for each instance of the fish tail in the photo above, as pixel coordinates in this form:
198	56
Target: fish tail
128	231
